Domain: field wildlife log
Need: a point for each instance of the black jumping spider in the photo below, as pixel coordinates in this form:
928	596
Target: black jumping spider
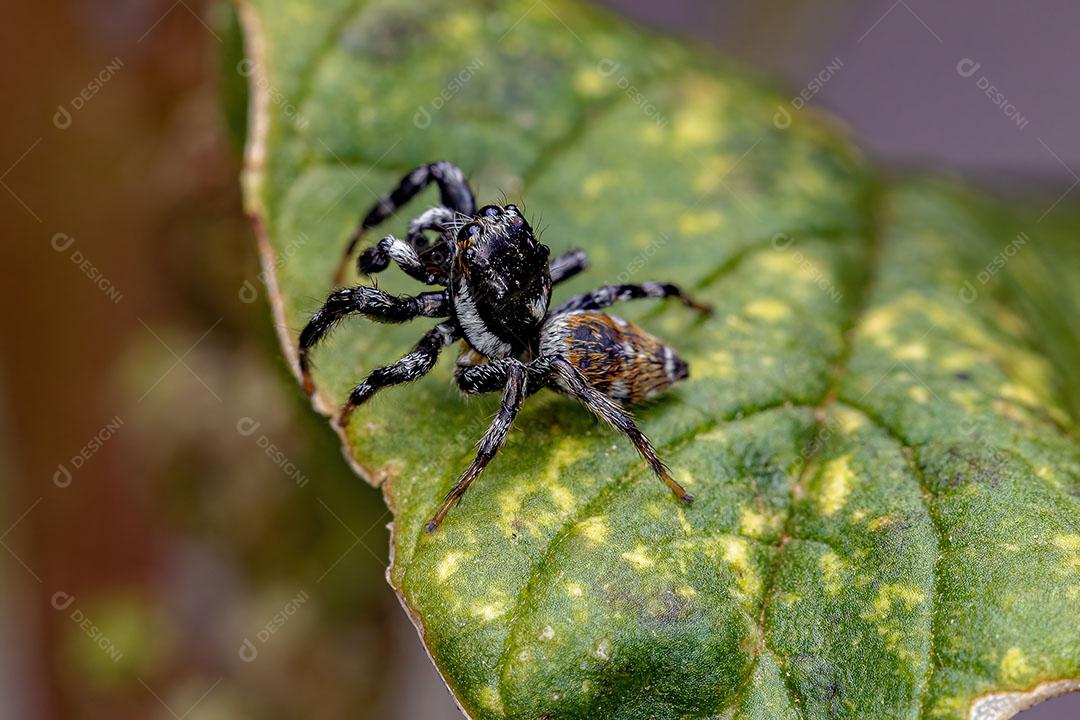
496	279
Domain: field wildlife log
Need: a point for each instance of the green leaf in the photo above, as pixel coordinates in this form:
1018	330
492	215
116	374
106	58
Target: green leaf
877	427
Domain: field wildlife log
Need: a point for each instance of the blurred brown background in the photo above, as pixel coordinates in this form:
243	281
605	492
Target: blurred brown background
178	533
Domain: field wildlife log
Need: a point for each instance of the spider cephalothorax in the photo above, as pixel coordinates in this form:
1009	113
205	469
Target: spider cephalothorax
497	279
500	284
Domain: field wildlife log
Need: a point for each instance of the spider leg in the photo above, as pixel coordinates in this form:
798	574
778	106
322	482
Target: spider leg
428	264
411	367
608	295
474	377
568	265
512	398
454	193
421	267
369	301
572	381
434	218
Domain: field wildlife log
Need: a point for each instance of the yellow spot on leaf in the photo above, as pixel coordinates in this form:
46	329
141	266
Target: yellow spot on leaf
879	321
564	499
849	420
695	128
751	522
489	611
639	556
489	698
736	553
758	524
1070	545
574	589
919	394
837	479
588	81
892	601
912	351
687	528
720	364
882	521
1014	667
449	564
713	171
768	309
892	593
651	134
831	567
462	28
1022	393
594	528
597	182
699	223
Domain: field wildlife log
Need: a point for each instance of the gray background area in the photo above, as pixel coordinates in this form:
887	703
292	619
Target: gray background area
900	91
899	88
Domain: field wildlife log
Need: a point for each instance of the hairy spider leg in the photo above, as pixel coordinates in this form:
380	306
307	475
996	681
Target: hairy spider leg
373	303
571	380
568	265
438	217
608	295
454	193
430	264
512	398
376	259
474	377
411	367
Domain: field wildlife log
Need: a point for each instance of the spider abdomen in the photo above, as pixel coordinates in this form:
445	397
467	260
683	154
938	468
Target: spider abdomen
616	357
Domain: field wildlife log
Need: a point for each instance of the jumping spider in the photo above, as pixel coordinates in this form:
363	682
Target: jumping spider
496	280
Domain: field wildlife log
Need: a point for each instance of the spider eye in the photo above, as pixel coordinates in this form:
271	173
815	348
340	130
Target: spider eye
470	230
512	208
490	211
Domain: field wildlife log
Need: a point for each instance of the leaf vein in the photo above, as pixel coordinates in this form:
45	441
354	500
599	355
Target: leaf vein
859	307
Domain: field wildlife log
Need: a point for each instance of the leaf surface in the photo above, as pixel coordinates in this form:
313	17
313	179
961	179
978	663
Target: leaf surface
887	471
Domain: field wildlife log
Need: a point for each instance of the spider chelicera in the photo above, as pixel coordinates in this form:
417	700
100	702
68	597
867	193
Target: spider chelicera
496	281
